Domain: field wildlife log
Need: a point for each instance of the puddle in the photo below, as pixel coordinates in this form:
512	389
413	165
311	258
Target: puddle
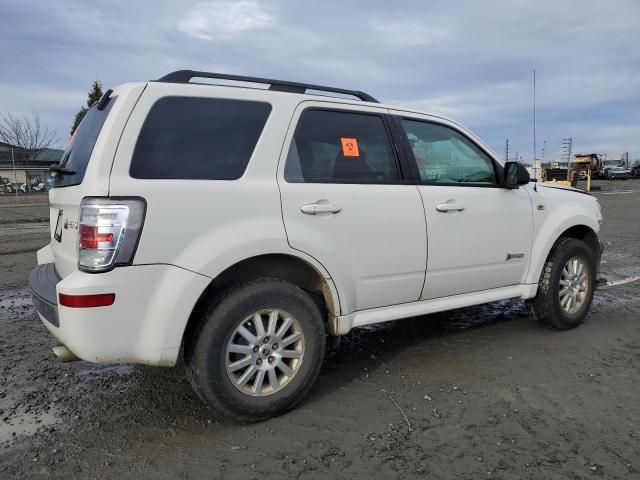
15	299
25	423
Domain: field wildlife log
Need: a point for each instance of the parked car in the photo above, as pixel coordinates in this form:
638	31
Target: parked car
246	227
635	172
614	173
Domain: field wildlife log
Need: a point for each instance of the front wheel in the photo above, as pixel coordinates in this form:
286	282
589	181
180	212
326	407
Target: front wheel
259	350
566	286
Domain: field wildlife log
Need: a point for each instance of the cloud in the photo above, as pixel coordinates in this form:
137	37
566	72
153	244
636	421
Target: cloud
408	32
468	60
224	19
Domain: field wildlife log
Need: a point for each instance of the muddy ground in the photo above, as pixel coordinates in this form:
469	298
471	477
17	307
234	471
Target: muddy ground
486	392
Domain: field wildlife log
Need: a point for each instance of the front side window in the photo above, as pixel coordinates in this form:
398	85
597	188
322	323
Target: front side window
198	138
341	147
444	155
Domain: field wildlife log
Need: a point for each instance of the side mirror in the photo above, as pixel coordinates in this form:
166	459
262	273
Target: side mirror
515	174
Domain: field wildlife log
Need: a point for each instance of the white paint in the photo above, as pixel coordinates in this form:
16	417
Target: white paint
375	254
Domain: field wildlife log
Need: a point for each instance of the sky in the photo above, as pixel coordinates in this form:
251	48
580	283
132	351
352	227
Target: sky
468	60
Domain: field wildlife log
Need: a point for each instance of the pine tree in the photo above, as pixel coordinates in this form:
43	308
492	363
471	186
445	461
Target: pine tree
78	119
94	95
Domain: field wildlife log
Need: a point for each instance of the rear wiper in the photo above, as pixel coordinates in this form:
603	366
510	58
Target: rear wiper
58	170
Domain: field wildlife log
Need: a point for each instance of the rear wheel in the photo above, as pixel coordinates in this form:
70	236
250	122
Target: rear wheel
567	285
258	351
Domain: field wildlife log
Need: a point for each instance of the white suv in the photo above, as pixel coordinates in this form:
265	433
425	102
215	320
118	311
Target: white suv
243	226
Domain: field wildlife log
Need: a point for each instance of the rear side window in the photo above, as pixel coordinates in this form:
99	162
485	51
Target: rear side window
76	156
198	138
341	147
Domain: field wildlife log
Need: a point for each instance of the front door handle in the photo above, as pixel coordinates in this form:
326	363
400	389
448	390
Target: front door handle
315	208
450	207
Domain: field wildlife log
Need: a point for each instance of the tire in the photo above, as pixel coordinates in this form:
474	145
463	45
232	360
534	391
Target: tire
547	307
211	364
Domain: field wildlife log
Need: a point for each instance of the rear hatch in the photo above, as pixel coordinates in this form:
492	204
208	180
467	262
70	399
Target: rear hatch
84	171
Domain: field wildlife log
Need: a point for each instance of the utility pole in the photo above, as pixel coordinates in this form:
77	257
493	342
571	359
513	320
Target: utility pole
567	144
15	174
544	147
506	151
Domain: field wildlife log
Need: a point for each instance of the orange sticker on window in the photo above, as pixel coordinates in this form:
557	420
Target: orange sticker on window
350	147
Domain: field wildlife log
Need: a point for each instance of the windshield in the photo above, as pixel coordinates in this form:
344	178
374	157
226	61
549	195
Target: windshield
76	156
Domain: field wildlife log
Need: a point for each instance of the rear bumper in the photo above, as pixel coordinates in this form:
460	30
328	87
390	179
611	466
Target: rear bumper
42	282
145	324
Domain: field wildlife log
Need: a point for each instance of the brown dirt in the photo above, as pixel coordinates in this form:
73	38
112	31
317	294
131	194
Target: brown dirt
486	393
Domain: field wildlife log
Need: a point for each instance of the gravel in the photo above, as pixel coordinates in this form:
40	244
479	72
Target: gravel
481	392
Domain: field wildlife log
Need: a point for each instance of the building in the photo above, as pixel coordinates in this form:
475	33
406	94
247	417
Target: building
16	170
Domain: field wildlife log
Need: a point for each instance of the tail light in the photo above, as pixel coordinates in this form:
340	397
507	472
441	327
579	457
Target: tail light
109	231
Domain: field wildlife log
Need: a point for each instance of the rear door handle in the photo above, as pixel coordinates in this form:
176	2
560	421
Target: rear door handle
450	207
315	208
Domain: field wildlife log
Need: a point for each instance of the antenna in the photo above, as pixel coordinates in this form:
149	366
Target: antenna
535	156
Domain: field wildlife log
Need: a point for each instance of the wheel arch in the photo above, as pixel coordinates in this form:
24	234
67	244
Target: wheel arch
287	267
584	230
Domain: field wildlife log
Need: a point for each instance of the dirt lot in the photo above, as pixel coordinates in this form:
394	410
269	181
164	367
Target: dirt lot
486	392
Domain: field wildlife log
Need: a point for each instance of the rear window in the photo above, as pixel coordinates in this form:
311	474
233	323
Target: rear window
198	138
76	156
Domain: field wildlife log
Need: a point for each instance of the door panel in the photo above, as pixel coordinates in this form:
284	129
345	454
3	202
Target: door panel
349	209
479	235
486	245
375	244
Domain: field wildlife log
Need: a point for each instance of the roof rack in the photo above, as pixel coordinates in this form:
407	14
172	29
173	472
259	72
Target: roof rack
185	76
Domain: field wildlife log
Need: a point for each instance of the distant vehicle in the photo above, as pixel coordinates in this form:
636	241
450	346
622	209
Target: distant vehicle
635	172
613	173
40	187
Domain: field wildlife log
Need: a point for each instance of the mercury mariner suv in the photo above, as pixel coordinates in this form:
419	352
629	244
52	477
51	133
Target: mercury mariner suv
242	228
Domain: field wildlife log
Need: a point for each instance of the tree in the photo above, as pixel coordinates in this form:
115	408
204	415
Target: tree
95	94
27	134
637	163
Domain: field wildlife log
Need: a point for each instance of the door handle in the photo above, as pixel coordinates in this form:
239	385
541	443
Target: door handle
450	207
315	208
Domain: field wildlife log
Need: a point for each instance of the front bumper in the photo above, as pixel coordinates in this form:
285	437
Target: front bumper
144	325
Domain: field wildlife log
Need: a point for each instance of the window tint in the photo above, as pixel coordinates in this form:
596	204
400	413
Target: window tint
341	147
76	156
198	138
445	156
